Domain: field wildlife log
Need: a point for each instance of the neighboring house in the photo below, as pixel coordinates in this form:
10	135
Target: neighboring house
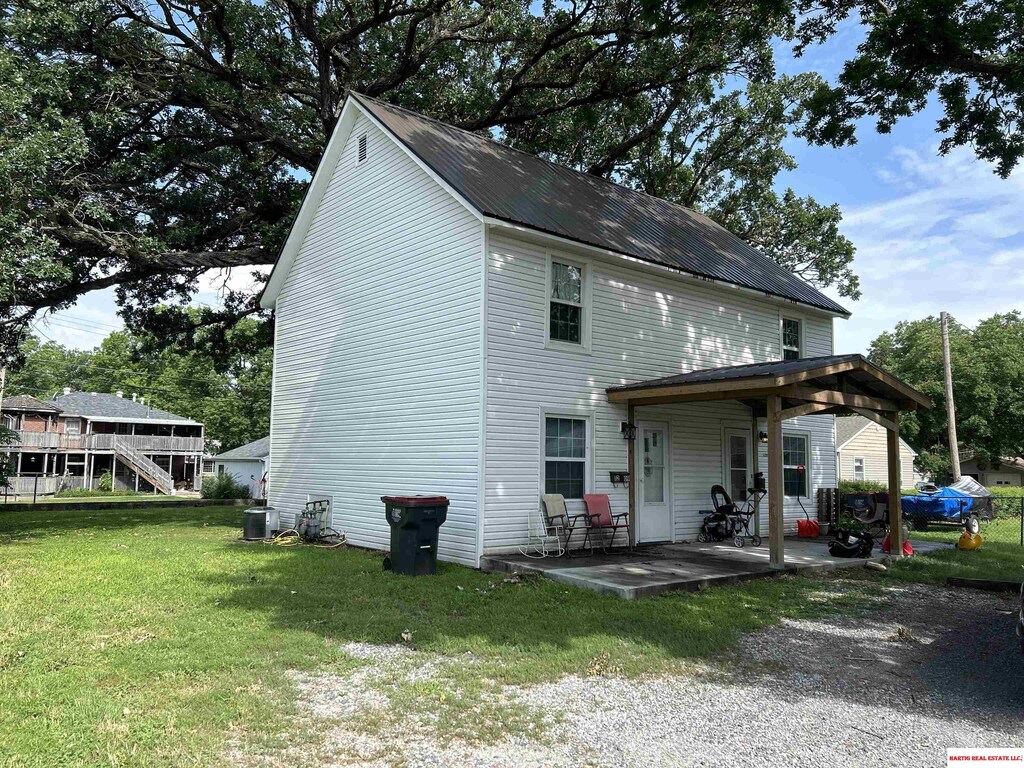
450	317
1009	471
861	453
78	436
248	464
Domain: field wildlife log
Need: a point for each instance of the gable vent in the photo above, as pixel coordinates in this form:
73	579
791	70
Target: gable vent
362	148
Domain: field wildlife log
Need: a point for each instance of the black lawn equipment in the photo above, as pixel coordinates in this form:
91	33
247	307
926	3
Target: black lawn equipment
848	543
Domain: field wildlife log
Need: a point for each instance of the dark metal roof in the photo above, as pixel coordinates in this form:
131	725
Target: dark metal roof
771	369
523	189
27	403
99	405
257	449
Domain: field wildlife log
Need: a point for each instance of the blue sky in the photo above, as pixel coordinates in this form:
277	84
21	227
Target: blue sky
932	233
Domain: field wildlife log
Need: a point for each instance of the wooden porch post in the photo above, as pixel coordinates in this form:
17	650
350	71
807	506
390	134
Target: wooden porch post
631	460
895	495
776	480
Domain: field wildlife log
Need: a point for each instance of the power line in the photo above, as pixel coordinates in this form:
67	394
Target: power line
78	320
90	321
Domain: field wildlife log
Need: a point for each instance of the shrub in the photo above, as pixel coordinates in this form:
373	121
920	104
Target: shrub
224	487
106	482
1007	491
860	486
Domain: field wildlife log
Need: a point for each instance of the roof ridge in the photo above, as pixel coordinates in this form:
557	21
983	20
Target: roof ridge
495	142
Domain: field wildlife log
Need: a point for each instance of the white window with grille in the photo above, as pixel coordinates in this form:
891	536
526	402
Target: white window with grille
792	339
858	467
568	314
566	455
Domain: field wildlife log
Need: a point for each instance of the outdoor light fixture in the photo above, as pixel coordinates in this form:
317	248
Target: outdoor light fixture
762	437
628	430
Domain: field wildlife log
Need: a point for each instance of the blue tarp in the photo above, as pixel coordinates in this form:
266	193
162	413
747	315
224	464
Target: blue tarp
947	504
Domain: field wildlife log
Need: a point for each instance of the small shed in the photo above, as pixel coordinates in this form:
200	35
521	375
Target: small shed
248	464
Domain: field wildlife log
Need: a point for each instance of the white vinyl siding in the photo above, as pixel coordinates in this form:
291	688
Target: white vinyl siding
378	356
642	325
248	472
870	445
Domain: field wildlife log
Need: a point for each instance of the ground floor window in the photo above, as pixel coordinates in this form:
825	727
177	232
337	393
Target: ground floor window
858	467
795	466
565	456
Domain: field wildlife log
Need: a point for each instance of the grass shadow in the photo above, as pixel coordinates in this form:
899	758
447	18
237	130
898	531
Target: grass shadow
532	628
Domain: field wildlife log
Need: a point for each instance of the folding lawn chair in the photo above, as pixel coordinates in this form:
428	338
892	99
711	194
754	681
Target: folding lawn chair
558	520
600	518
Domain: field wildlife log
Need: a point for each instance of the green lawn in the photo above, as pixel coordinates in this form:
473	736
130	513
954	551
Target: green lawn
146	637
1000	557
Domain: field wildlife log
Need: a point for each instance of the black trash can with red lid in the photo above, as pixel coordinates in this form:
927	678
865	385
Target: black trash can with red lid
414	522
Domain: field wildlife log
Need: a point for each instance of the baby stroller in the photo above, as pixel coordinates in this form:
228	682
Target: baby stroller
731	520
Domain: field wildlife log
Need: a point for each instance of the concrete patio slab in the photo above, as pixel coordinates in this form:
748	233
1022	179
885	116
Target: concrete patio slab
652	570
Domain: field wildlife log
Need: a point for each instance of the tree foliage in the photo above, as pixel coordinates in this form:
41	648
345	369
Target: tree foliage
143	142
228	392
7	437
988	386
968	52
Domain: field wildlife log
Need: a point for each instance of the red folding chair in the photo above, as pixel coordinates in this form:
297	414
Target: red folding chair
599	518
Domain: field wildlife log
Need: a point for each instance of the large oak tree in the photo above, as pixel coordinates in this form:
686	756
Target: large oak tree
143	142
968	53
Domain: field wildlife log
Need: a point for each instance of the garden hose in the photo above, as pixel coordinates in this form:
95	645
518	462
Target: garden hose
290	538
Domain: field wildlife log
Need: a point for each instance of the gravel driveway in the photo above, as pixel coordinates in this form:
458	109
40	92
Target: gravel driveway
934	668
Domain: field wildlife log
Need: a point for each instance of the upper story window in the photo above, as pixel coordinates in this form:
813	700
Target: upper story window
566	303
791	339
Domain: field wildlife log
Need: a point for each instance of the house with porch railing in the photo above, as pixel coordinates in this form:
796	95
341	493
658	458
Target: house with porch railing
71	440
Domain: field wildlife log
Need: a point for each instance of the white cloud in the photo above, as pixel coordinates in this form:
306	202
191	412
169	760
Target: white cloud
214	283
951	237
95	315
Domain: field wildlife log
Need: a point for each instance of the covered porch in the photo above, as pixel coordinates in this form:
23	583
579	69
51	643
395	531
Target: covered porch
773	393
653	570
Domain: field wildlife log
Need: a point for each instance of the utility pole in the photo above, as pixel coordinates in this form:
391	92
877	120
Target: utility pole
954	449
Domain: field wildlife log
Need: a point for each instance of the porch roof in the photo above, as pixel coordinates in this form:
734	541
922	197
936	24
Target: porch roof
782	390
846	381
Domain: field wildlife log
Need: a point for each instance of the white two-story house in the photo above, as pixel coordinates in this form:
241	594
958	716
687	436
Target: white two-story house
453	317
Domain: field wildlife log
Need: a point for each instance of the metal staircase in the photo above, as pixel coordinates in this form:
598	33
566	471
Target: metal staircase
145	467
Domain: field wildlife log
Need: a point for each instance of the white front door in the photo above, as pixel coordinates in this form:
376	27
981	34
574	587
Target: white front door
654	507
737	463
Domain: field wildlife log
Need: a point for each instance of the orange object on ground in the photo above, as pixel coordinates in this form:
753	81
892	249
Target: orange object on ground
907	548
807	529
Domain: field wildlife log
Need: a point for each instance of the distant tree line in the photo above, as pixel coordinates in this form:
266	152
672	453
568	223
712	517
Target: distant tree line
988	387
